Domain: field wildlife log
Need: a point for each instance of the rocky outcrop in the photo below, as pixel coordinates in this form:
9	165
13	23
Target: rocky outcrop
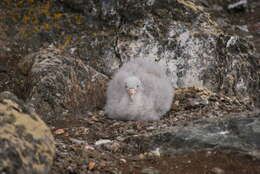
26	143
178	34
60	85
236	132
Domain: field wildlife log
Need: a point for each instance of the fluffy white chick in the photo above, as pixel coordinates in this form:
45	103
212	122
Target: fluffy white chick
140	90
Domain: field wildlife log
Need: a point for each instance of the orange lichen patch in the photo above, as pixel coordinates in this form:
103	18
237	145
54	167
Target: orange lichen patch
26	19
46	26
35	20
57	15
79	19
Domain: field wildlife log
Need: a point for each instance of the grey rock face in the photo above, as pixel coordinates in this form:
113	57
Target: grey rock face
236	133
181	37
59	85
26	143
106	33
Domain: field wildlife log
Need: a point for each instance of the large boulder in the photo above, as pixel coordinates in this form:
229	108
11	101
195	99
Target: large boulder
59	85
26	143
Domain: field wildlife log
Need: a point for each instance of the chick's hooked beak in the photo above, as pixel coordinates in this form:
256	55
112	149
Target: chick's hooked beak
131	92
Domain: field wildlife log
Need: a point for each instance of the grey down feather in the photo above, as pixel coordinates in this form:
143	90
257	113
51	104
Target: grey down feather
139	90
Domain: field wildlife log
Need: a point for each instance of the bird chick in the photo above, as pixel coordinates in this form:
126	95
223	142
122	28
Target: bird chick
139	90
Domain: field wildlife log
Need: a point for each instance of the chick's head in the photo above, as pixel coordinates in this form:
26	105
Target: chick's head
133	86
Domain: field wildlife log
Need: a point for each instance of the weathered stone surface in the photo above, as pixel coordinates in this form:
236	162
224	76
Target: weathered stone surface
26	143
61	85
107	33
179	35
232	133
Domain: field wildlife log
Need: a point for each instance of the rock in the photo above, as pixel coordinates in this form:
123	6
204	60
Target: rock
60	85
150	170
242	4
235	133
102	141
108	33
190	58
194	55
26	143
217	170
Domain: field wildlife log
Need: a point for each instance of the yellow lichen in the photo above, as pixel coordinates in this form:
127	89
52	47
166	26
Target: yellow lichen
36	128
57	15
46	26
79	19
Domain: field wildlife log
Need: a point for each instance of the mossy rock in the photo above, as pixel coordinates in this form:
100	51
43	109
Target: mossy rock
26	143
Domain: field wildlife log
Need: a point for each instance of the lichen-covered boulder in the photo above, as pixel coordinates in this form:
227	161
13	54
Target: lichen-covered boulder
59	85
26	143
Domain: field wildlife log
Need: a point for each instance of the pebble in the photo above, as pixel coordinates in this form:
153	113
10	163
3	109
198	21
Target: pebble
91	165
102	141
77	141
150	171
59	131
217	170
87	147
122	160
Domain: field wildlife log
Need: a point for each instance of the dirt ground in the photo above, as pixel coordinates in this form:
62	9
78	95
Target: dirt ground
78	153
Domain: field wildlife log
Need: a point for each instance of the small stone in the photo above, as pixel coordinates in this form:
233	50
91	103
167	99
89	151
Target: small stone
101	112
141	156
150	171
217	170
130	131
59	132
150	128
122	160
91	165
102	141
87	147
77	141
